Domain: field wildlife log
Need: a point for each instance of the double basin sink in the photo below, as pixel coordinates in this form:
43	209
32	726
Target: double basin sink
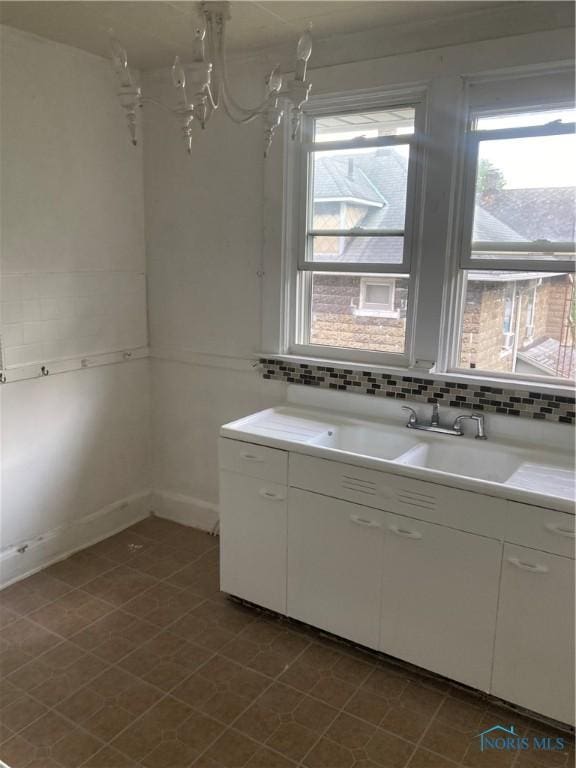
456	456
457	460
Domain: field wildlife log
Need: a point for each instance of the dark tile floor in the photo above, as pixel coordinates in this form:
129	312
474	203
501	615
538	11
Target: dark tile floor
127	656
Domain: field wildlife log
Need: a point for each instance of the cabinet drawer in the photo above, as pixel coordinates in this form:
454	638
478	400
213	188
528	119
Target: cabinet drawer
539	528
253	460
471	512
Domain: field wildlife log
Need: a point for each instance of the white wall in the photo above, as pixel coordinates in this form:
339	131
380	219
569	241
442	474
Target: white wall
73	284
204	244
207	239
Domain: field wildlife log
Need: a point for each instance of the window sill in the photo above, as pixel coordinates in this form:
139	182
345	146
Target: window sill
390	314
463	378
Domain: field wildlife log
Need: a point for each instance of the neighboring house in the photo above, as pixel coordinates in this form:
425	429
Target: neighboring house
513	321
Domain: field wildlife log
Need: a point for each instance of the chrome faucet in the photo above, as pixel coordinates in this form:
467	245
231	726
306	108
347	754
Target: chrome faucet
477	418
434	424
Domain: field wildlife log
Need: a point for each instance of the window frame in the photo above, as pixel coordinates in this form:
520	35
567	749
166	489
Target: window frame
472	143
301	269
436	280
465	188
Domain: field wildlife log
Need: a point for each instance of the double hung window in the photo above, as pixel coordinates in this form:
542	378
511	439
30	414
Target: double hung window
516	265
414	244
355	261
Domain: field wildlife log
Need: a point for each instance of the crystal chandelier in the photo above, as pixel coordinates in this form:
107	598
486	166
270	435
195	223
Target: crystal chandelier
202	85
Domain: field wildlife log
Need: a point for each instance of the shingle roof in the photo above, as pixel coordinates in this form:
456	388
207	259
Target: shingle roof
489	228
342	178
379	178
536	212
551	356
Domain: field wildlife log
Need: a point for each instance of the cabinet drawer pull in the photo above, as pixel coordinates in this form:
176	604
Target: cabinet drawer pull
271	495
363	521
251	457
557	528
405	533
533	567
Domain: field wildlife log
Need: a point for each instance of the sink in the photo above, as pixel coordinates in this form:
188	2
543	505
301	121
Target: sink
482	462
365	440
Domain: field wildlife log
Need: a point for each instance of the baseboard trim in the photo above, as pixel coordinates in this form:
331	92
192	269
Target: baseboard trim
26	558
186	510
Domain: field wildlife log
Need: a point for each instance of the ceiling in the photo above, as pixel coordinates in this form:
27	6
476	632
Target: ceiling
154	31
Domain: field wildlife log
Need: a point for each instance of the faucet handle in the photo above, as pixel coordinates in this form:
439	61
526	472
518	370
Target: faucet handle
412	419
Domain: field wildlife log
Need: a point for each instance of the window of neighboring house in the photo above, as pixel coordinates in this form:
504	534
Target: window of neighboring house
376	298
530	321
518	248
358	180
508	325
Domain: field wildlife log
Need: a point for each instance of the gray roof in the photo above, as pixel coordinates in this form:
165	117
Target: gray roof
342	178
536	212
379	179
551	357
488	228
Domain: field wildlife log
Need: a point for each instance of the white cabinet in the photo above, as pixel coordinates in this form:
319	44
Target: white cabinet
534	651
334	565
439	599
253	539
477	589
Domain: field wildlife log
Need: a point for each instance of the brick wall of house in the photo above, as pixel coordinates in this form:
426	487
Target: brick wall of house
335	322
557	302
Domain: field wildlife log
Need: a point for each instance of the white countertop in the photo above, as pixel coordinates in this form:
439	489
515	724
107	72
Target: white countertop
544	477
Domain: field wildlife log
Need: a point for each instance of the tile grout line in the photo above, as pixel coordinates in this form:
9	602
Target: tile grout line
374	662
63	640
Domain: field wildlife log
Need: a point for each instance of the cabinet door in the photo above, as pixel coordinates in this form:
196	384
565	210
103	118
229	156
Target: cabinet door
335	565
440	594
253	540
534	653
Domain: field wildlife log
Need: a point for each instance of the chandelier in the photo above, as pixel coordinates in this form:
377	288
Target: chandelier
202	85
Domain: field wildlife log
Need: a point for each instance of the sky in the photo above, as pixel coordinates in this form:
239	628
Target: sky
529	162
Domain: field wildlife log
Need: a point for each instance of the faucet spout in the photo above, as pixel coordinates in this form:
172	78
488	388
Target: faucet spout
477	418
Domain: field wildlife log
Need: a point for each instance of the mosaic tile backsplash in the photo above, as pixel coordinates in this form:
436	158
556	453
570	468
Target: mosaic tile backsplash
511	402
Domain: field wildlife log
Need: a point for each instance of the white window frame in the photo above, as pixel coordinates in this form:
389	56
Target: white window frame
436	281
302	267
473	140
505	102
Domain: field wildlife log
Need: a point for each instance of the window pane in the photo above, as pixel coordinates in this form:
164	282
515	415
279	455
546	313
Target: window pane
338	319
363	189
519	322
377	294
357	250
390	122
525	193
522	119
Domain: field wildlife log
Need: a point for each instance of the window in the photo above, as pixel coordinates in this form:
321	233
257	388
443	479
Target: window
354	267
508	325
517	255
431	235
377	297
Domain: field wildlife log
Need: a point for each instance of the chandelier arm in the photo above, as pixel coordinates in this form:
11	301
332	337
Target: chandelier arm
215	90
220	51
236	118
156	102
